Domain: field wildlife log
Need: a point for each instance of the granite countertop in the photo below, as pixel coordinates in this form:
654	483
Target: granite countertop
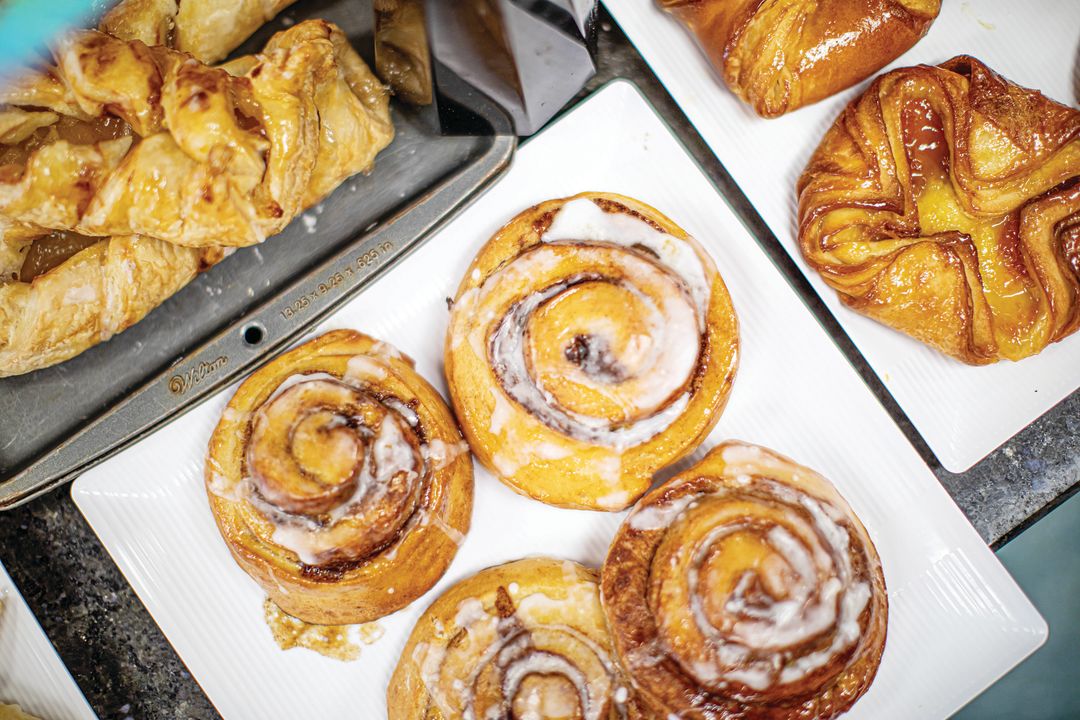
125	666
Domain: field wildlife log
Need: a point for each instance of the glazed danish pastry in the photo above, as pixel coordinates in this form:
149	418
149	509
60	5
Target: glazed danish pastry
746	587
591	343
945	203
778	55
339	480
525	640
121	154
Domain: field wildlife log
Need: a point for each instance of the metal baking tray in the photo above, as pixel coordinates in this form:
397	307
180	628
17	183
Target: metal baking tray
57	422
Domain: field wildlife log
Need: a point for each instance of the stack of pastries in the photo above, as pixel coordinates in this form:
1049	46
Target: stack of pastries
591	343
127	168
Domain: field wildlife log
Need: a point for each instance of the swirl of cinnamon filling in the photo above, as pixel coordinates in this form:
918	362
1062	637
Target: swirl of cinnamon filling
591	343
525	639
746	584
331	467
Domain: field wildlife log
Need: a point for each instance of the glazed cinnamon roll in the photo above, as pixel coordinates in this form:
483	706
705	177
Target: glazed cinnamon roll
945	203
339	480
522	640
779	56
746	587
591	343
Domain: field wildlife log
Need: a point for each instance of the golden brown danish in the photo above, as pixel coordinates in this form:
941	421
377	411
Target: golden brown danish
778	55
142	150
945	203
202	157
207	29
339	480
591	343
334	470
746	587
525	640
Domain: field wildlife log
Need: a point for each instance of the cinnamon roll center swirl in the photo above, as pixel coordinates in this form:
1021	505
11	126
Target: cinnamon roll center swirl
760	591
604	354
337	471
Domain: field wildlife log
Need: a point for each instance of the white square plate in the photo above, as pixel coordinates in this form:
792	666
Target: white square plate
962	412
31	673
957	620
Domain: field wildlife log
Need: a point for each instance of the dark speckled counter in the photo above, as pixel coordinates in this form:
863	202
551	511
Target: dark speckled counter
126	667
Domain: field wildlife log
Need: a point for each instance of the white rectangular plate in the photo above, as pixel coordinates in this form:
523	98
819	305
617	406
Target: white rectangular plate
962	412
957	620
31	673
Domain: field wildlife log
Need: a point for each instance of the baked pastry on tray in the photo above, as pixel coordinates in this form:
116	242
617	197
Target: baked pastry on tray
126	169
339	480
522	640
945	203
206	29
778	55
745	587
591	343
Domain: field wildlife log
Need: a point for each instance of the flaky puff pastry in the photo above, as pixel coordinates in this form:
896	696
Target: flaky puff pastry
97	293
206	29
591	343
339	480
148	150
778	55
522	640
945	203
211	158
746	587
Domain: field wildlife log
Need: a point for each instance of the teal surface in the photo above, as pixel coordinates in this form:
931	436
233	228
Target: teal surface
1045	560
27	26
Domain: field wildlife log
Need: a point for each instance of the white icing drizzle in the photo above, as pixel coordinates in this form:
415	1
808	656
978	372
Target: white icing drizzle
657	364
666	367
389	460
364	367
582	219
658	517
507	645
757	645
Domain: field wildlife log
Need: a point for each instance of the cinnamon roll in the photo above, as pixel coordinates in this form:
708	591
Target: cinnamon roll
746	587
779	56
339	480
945	203
525	640
591	343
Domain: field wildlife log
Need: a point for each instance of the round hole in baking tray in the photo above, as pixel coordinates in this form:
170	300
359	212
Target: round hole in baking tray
253	334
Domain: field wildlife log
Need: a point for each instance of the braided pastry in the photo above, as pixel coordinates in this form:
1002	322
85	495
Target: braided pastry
522	640
945	203
591	343
778	55
144	150
746	587
206	29
339	480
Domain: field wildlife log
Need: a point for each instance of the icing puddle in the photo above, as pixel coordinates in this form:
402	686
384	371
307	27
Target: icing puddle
340	642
